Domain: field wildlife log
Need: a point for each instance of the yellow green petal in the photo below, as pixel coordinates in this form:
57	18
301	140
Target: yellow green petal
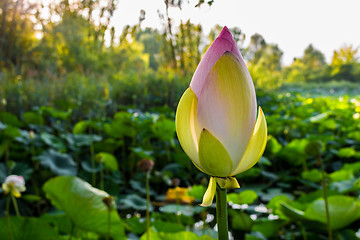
16	193
187	125
228	183
210	193
213	157
256	145
227	105
5	187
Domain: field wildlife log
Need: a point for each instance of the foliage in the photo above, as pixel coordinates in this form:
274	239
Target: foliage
284	188
75	111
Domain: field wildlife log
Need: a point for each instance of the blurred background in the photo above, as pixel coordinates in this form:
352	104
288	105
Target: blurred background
89	88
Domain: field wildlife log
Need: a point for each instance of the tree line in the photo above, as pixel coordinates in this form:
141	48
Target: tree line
38	41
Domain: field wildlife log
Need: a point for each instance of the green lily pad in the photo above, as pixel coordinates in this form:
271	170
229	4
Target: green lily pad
109	160
135	225
52	141
313	175
272	145
26	229
80	127
347	152
197	191
134	201
174	236
343	210
59	220
342	175
292	213
268	228
50	111
81	140
164	129
10	119
241	220
33	118
169	227
59	163
244	197
181	209
11	132
84	205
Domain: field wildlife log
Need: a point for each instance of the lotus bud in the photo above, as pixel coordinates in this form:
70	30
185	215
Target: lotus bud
14	185
145	165
217	121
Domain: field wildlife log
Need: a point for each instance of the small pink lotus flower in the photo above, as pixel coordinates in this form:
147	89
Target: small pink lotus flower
216	117
14	185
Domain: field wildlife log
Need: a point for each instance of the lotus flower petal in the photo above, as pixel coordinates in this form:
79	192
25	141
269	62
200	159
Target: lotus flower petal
227	105
213	157
186	124
14	184
256	146
224	43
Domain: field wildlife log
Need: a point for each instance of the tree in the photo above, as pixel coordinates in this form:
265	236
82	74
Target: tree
313	58
17	34
264	62
311	67
255	48
345	65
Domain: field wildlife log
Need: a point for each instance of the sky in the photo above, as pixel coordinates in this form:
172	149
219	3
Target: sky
292	24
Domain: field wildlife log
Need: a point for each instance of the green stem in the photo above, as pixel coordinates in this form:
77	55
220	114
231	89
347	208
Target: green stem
101	179
15	205
221	214
303	231
93	174
71	231
147	176
7	214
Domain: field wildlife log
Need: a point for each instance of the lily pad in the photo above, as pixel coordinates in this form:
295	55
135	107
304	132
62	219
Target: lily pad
33	118
26	229
180	209
10	119
134	201
84	205
59	163
52	141
244	197
109	160
174	236
343	210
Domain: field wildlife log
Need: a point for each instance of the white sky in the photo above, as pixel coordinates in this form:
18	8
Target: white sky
292	24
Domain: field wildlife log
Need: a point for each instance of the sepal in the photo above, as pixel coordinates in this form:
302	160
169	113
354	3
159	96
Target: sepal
225	183
210	193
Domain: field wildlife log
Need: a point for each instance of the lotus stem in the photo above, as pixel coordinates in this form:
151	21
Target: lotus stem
92	155
102	179
15	205
147	176
221	213
7	214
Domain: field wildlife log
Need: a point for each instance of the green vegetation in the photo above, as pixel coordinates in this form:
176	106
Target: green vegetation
77	115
